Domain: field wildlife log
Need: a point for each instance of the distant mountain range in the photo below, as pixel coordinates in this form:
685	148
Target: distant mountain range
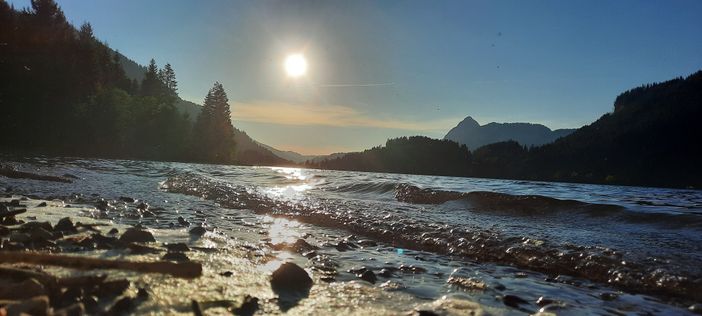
472	134
650	139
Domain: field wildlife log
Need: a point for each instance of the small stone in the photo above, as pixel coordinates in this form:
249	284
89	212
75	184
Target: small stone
368	276
102	205
198	231
42	204
142	294
386	273
248	307
226	273
182	221
608	296
542	301
113	231
290	277
136	235
520	275
66	225
513	301
123	306
143	206
367	243
179	247
175	256
126	199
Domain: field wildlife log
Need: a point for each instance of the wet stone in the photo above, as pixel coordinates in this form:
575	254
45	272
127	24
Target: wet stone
136	235
226	273
368	276
513	301
126	199
180	247
609	296
290	277
248	307
198	231
182	221
175	256
542	301
386	273
65	225
42	204
113	231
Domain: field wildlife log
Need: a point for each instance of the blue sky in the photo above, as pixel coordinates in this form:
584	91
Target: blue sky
383	69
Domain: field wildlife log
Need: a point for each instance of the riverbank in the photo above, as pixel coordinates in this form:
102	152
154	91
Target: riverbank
241	224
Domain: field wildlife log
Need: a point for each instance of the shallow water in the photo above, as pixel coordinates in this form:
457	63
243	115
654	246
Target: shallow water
622	240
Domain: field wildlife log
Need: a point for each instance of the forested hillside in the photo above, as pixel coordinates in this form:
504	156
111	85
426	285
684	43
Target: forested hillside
650	138
63	91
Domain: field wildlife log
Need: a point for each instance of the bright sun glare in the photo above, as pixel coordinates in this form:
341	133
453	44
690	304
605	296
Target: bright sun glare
295	65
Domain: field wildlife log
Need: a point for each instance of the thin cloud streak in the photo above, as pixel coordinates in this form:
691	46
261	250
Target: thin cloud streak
326	115
354	85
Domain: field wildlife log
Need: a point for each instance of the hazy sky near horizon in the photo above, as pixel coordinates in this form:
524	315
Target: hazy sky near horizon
380	69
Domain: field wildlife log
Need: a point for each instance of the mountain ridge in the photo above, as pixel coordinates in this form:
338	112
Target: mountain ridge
470	133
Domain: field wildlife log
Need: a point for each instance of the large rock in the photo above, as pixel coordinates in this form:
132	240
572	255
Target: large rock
290	277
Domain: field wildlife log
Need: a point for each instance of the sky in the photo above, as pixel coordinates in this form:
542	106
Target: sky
382	69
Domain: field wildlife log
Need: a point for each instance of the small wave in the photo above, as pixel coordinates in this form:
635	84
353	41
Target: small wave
485	245
380	187
531	205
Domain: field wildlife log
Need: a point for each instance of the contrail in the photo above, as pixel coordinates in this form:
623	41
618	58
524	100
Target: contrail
352	85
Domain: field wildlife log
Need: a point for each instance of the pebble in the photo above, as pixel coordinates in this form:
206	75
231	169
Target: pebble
198	231
609	296
66	225
136	235
179	247
175	256
126	199
290	277
542	301
513	301
248	307
368	276
695	308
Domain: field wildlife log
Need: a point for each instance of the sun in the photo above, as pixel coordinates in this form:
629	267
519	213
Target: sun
295	65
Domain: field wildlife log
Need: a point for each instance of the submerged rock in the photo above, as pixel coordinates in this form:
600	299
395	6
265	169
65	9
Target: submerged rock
136	235
290	277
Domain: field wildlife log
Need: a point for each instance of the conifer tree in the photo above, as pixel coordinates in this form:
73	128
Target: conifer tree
213	139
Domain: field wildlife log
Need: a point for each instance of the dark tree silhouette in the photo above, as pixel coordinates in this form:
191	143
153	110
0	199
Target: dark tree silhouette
213	135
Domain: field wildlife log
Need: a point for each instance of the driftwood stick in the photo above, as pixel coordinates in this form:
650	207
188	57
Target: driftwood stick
182	270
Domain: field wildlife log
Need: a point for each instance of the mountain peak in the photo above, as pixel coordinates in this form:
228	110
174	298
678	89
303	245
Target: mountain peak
474	135
469	122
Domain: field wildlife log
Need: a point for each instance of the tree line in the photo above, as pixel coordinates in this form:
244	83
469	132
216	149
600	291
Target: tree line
650	139
62	91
